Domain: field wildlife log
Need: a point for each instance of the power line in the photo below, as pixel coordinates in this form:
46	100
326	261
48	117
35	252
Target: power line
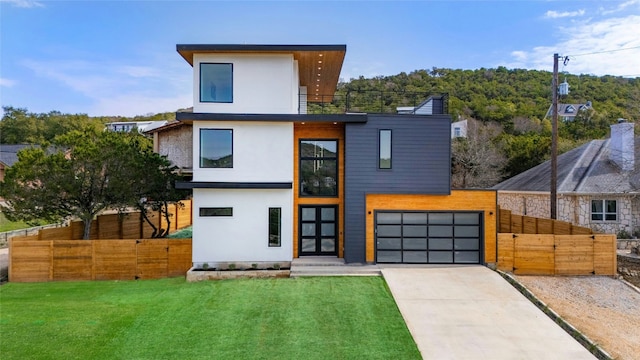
607	51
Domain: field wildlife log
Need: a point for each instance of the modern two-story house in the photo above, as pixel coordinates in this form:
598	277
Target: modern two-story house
272	181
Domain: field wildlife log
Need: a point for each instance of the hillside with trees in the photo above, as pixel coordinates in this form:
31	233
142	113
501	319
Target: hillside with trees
507	108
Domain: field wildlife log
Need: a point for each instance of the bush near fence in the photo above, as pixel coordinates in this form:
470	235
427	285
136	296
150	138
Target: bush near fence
59	260
522	224
544	254
112	226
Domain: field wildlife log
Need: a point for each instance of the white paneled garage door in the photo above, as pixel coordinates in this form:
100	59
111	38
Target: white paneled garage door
429	237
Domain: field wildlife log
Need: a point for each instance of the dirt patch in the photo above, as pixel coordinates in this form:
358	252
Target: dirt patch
604	309
629	268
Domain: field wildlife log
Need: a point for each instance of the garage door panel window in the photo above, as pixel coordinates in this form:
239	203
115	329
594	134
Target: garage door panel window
438	218
414	218
389	218
442	231
389	256
441	244
467	244
419	257
467	231
415	244
389	243
414	231
471	257
390	230
440	257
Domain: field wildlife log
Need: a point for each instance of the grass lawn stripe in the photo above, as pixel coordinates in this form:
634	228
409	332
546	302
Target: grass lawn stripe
310	318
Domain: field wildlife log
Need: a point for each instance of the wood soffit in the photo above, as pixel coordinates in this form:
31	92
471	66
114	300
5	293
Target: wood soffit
319	65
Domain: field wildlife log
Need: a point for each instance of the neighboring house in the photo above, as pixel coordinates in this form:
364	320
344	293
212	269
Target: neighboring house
568	112
141	126
272	183
9	156
598	185
175	140
435	104
459	129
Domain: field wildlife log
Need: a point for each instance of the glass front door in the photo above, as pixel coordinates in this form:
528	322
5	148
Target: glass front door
318	230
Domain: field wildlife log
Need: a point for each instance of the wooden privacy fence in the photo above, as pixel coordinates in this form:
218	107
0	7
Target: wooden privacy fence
57	260
540	254
522	224
111	226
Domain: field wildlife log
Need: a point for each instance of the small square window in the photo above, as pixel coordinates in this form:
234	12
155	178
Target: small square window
604	210
216	83
216	148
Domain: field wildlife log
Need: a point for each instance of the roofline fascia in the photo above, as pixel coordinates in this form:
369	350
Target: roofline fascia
340	118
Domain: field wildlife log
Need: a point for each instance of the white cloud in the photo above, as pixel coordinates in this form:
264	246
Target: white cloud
7	82
606	46
620	7
552	14
117	89
24	3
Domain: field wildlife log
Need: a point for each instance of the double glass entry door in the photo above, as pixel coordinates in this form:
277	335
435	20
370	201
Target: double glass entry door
318	230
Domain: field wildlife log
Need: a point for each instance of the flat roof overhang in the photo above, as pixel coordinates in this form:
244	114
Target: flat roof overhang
188	117
319	66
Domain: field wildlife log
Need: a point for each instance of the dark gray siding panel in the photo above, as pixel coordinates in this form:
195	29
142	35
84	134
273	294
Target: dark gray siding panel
421	164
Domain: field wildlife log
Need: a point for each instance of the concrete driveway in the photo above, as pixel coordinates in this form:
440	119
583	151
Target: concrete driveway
470	312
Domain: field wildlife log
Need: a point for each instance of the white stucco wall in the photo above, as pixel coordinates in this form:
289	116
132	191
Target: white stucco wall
262	152
262	84
243	237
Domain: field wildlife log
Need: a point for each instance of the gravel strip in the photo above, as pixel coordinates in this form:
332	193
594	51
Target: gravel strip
604	309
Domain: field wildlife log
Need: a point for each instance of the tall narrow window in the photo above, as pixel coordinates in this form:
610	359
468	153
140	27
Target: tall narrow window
318	168
216	83
384	149
216	148
275	227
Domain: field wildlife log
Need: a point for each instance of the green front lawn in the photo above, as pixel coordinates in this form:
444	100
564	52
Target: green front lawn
303	318
6	225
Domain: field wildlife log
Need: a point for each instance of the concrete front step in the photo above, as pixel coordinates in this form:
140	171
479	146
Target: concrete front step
334	271
317	261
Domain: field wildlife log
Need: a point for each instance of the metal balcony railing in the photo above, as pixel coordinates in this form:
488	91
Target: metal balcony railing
373	102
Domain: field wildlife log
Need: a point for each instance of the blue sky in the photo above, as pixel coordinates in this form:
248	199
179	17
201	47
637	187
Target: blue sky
119	57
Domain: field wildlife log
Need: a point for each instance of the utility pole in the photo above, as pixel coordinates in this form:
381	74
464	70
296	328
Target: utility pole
554	140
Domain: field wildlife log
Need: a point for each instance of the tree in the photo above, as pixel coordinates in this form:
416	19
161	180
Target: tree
82	174
476	160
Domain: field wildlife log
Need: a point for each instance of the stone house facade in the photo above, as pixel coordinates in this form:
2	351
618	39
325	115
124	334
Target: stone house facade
598	185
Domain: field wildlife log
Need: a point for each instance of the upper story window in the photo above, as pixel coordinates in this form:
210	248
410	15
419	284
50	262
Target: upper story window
457	132
384	149
318	168
216	148
604	210
570	109
216	82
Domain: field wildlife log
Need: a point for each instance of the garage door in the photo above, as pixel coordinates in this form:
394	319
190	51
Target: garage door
429	237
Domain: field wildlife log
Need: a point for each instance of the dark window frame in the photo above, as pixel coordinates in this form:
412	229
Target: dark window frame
215	212
279	230
200	84
307	158
200	149
380	149
604	214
